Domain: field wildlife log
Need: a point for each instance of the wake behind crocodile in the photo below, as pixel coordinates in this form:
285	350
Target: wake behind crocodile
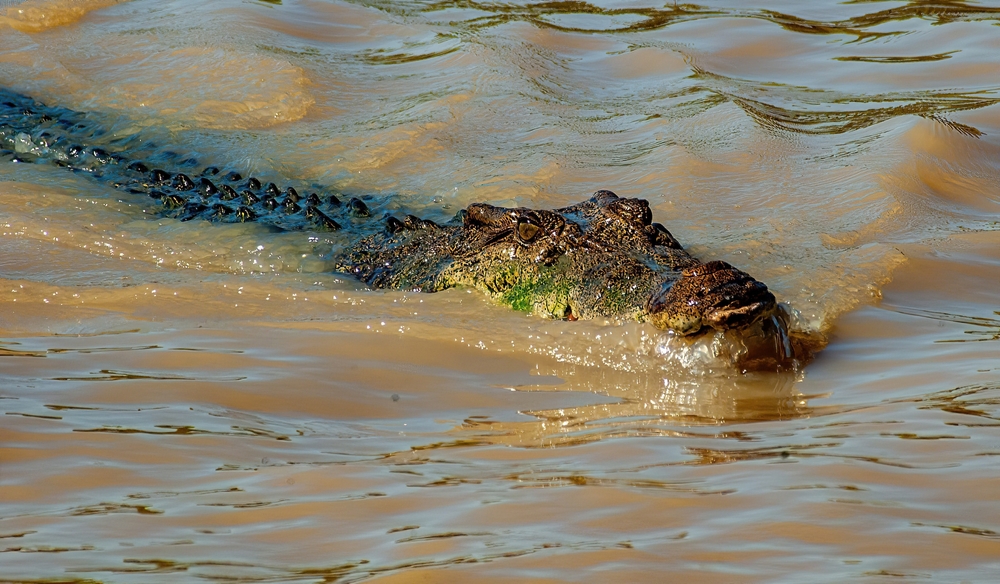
601	259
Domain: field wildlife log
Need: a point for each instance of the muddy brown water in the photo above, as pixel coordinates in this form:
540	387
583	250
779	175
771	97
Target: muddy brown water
189	402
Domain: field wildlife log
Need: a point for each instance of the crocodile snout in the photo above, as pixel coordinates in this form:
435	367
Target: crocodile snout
713	294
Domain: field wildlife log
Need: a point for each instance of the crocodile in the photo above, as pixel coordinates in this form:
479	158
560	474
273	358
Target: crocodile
603	258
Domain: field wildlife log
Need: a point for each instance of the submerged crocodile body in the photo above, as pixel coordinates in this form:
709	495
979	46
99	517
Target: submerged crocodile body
601	258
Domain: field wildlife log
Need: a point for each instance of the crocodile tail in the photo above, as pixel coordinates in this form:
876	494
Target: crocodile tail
178	187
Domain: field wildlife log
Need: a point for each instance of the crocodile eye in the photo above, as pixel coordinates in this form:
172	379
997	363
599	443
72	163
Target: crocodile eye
527	231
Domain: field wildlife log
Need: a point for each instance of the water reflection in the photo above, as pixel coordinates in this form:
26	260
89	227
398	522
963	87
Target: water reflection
914	59
671	458
987	329
811	143
981	402
408	52
817	111
649	405
809	108
560	16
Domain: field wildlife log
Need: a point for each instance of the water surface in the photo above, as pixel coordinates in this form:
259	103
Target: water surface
186	401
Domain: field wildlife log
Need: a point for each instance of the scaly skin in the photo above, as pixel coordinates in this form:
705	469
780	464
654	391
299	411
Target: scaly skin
601	258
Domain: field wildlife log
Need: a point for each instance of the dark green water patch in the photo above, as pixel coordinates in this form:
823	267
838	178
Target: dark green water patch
988	533
167	429
113	375
108	508
914	59
987	328
558	15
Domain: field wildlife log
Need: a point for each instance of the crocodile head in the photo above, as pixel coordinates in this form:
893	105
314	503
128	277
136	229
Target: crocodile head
602	258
